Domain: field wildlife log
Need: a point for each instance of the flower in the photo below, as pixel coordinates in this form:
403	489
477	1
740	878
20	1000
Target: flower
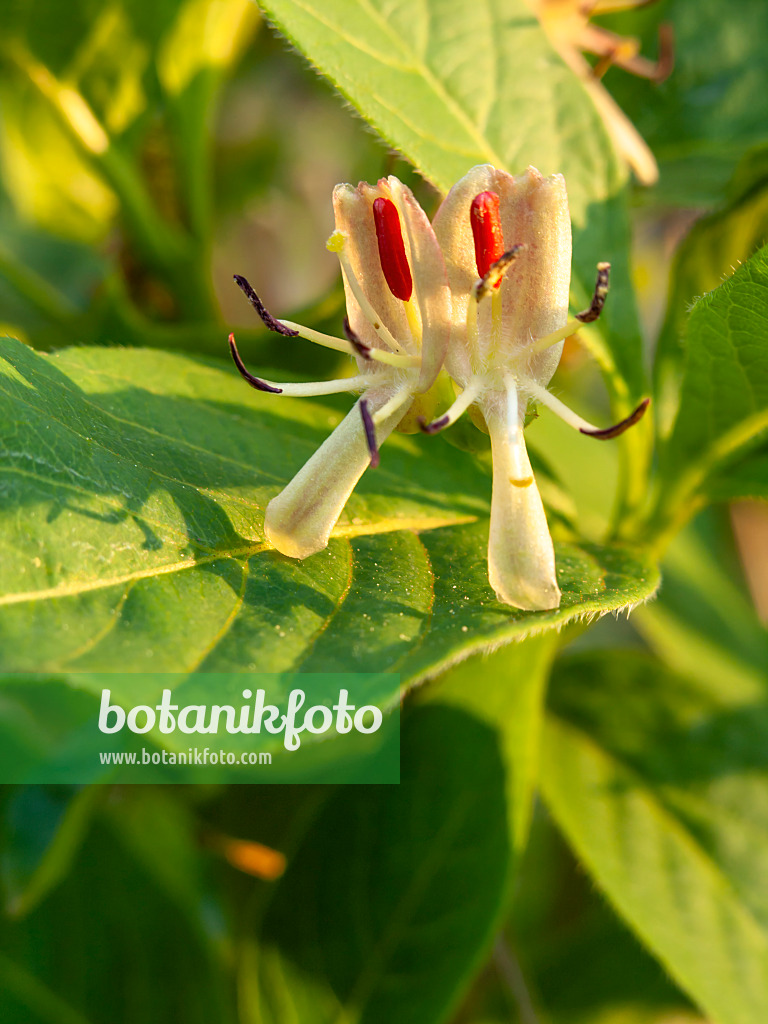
510	318
420	296
397	327
566	23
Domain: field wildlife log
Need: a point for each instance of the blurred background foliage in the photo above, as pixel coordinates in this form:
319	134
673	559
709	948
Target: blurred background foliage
148	149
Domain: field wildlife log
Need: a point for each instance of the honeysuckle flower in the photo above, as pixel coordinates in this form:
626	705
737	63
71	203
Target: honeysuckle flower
506	242
397	330
567	25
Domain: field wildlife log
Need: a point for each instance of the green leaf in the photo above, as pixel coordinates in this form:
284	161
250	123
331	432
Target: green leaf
23	993
506	692
43	832
714	247
162	837
724	393
662	789
714	105
388	908
452	85
703	624
113	123
46	284
133	486
745	478
124	56
568	956
108	945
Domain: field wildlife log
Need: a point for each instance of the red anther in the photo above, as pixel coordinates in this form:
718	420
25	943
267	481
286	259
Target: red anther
486	231
389	235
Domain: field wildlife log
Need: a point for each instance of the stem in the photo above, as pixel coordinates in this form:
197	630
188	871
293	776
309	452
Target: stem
36	290
635	446
123	323
511	973
675	505
35	995
635	450
192	138
173	253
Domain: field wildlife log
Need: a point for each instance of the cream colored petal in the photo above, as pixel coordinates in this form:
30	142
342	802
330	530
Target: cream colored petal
521	558
299	520
534	213
353	208
454	235
626	138
430	282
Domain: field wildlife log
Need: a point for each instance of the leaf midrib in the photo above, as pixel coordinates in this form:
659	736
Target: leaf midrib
347	531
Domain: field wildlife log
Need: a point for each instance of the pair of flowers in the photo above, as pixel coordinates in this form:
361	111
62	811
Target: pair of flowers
481	295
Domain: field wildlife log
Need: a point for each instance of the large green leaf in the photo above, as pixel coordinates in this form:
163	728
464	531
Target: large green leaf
133	486
506	692
662	788
714	247
390	903
451	85
724	393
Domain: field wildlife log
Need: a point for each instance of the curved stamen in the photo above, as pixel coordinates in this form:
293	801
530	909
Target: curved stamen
618	428
389	236
370	432
398	399
492	277
336	243
354	340
577	422
326	340
587	316
378	355
435	426
255	382
267	318
460	406
293	330
300	390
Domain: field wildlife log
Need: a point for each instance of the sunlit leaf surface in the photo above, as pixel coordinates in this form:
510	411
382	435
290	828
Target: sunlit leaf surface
134	485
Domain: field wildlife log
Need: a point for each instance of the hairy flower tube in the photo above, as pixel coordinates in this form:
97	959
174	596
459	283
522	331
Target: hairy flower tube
397	327
506	242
